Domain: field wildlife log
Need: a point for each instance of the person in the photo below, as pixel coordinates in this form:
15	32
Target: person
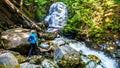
33	43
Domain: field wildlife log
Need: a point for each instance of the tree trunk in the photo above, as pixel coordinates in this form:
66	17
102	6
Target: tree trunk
14	8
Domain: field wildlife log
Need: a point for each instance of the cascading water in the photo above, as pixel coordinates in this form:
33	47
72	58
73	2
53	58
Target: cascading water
57	19
57	16
106	61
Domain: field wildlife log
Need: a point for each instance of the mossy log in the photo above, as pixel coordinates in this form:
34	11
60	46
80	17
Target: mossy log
23	16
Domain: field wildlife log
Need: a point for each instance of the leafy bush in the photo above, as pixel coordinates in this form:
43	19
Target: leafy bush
93	18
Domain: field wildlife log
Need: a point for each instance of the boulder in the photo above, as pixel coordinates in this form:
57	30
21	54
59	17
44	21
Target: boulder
91	64
94	58
44	45
59	41
8	59
49	64
47	35
36	59
67	57
91	61
28	65
115	53
18	56
16	39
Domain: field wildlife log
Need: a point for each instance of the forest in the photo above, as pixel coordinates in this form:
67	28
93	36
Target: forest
95	22
87	18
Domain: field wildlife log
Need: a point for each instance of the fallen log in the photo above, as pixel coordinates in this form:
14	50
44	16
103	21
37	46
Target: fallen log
14	8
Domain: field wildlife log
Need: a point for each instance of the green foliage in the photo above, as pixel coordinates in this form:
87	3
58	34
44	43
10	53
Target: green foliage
93	18
40	7
117	1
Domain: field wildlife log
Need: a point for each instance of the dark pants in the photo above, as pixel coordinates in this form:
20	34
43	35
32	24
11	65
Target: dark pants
33	48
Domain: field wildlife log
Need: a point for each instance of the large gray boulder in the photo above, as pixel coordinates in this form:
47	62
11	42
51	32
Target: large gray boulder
8	59
67	57
14	37
18	56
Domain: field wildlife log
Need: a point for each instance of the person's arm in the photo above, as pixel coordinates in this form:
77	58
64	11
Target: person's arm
35	38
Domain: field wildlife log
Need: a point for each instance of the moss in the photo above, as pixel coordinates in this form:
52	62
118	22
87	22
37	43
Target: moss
71	61
20	58
3	43
16	66
94	58
49	36
3	66
36	60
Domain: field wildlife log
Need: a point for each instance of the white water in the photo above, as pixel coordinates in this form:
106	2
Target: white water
57	17
106	61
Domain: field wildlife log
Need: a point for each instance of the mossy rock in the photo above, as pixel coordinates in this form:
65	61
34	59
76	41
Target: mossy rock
50	43
67	57
71	61
94	58
16	66
36	59
49	36
19	57
47	63
9	60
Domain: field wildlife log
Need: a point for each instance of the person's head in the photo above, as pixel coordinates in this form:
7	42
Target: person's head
32	31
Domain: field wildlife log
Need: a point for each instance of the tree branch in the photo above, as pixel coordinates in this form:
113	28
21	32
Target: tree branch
14	8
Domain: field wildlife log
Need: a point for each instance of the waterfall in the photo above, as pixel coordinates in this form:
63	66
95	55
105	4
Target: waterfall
106	61
57	16
57	19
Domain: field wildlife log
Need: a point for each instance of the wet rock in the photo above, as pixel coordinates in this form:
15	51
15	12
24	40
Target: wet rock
49	36
115	53
58	42
8	59
67	57
49	64
94	58
91	61
28	65
91	64
44	45
77	46
118	42
36	59
46	48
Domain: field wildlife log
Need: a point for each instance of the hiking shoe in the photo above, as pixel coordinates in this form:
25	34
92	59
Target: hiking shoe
28	58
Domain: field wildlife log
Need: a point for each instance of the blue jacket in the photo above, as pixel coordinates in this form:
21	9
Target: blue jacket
32	38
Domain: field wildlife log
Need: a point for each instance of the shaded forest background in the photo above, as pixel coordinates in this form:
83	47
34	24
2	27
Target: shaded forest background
97	20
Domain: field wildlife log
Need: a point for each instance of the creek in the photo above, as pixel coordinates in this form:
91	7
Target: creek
57	19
